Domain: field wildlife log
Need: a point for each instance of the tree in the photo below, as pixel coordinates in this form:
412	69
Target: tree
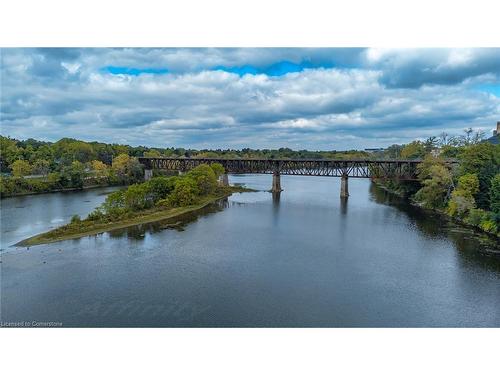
21	168
467	138
100	169
413	150
393	152
9	152
495	195
482	159
436	180
185	192
127	169
120	167
218	169
41	166
205	179
136	197
77	174
152	154
160	187
114	205
462	199
431	143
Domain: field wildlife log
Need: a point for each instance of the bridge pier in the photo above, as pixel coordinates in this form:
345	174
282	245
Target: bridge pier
276	183
344	186
148	174
225	179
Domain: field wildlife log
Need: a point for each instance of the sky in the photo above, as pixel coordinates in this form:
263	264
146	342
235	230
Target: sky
301	98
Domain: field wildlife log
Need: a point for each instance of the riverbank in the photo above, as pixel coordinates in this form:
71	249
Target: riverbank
70	231
65	190
442	214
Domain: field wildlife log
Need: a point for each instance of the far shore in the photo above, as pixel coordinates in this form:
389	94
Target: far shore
144	217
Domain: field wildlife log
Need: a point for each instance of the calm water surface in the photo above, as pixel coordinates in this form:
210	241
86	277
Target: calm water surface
303	259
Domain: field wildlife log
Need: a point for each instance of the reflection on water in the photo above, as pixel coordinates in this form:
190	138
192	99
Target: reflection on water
469	242
343	205
301	258
138	232
25	216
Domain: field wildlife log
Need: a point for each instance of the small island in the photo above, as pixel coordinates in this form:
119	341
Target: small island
157	199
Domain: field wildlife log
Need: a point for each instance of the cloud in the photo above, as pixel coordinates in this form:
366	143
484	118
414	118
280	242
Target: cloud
299	98
418	67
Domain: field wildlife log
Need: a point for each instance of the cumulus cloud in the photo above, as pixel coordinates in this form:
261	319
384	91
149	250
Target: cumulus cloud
336	99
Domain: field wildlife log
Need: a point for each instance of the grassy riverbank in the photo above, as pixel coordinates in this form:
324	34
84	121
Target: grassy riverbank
89	228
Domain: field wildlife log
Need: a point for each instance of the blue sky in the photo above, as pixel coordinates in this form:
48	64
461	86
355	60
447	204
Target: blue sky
324	98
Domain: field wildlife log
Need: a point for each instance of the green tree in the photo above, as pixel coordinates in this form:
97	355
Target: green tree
185	192
436	188
73	175
205	179
100	169
462	199
413	150
114	205
21	168
152	154
482	159
218	169
160	187
9	152
41	166
136	197
495	195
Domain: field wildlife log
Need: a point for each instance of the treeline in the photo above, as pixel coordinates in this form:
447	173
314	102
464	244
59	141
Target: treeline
469	192
446	145
44	157
32	166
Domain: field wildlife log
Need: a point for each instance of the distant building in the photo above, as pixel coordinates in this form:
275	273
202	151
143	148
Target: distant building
374	149
495	139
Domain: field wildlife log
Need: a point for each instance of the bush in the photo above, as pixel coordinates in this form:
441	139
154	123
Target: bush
476	216
114	205
489	226
205	179
75	219
136	197
185	193
160	187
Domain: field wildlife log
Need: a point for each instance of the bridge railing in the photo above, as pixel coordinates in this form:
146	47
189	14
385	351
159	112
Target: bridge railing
357	168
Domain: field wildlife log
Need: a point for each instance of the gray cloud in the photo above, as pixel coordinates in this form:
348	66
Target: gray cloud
360	98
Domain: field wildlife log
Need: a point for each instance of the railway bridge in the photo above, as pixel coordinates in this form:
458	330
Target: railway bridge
345	169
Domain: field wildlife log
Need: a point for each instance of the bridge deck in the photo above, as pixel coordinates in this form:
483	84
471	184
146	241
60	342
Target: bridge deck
357	168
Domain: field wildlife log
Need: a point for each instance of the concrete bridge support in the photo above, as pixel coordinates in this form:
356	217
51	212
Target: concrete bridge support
148	174
344	186
276	183
224	179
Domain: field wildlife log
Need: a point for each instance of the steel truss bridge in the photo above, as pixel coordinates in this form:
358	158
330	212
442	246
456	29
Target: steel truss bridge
379	169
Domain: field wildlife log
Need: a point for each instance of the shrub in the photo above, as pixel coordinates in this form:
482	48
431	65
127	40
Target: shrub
75	219
159	187
114	205
205	179
489	226
136	197
462	198
476	216
185	192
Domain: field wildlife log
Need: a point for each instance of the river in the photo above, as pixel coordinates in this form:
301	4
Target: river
303	259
